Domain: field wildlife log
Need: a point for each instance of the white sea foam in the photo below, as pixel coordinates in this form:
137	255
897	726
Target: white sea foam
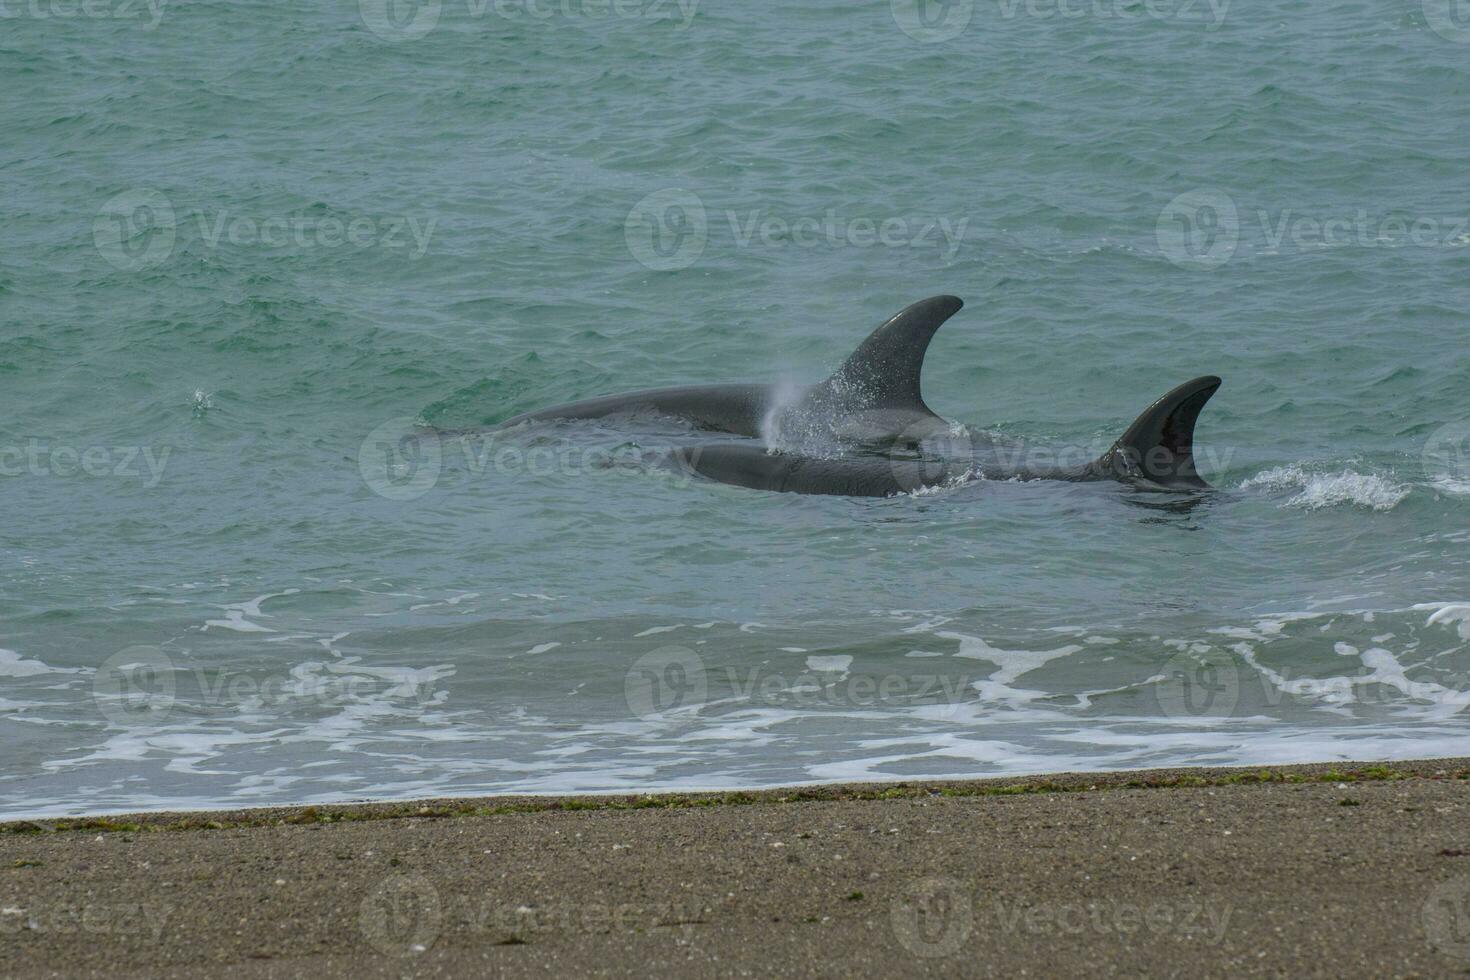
953	483
1319	490
1329	684
451	601
236	613
1451	485
13	665
1011	665
1455	612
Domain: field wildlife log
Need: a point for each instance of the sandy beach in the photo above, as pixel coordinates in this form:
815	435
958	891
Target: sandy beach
1329	870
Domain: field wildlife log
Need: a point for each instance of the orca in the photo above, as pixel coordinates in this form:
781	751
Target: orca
1155	453
874	397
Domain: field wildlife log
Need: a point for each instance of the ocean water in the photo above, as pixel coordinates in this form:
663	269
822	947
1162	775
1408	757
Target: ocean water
252	249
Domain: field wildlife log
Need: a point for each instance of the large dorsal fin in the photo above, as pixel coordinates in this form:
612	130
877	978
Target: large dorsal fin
1158	447
884	371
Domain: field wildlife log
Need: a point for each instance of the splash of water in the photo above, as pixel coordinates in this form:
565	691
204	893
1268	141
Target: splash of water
797	422
1319	490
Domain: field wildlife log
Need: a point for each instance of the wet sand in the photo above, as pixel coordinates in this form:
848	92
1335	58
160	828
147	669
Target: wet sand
1341	870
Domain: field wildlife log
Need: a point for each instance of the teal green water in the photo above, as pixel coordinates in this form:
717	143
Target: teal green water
242	239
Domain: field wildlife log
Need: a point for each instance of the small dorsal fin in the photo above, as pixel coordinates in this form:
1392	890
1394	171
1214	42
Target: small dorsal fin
884	371
1158	447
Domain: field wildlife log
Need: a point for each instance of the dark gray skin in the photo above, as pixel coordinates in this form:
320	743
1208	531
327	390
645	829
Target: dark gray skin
1156	453
873	397
734	408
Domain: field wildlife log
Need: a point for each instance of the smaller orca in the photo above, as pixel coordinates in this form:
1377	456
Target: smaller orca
873	397
1156	453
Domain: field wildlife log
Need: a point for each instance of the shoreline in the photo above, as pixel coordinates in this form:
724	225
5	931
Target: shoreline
440	807
1326	869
